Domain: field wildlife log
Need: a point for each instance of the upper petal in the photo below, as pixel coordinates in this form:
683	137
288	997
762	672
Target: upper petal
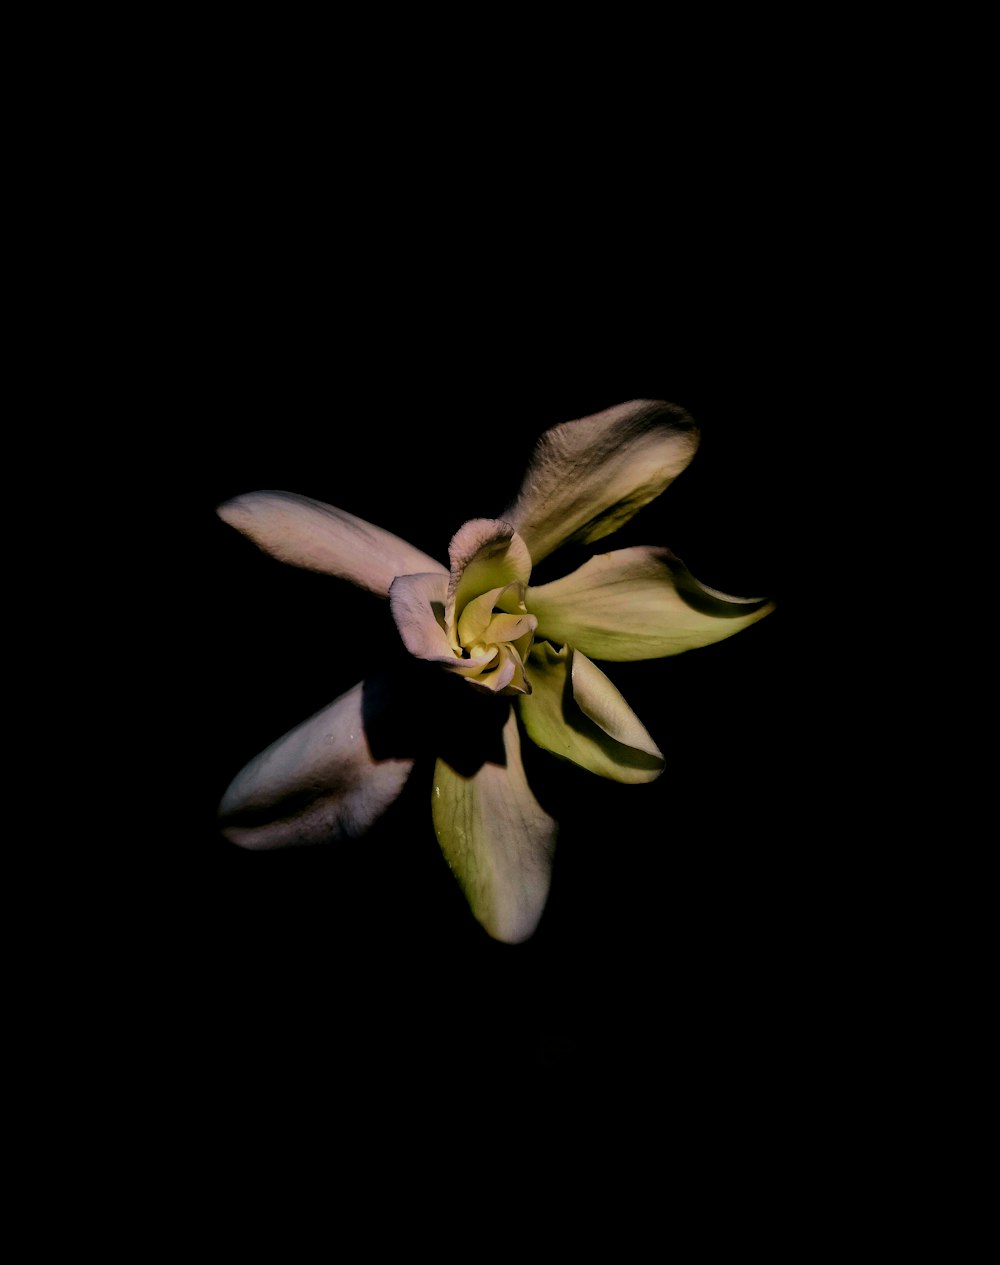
640	603
589	477
497	839
485	553
577	713
320	782
306	533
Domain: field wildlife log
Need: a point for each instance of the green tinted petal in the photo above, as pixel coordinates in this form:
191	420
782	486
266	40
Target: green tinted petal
640	603
575	712
497	839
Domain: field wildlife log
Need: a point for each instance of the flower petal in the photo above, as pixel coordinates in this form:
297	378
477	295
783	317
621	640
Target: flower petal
497	839
496	678
417	605
485	553
575	712
640	603
320	782
509	627
476	617
589	477
306	533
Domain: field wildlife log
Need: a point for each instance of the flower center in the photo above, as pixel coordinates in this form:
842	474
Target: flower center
495	642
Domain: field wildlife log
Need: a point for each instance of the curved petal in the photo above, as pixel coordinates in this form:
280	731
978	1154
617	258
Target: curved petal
497	839
478	613
319	783
589	477
509	627
306	533
417	605
575	712
476	617
640	603
497	678
485	553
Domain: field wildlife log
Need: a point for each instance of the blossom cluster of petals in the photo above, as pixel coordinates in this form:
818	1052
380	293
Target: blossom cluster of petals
529	652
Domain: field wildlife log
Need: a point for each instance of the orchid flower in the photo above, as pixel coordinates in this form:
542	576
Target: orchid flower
528	651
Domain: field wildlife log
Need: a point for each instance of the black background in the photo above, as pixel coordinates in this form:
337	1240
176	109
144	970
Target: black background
376	280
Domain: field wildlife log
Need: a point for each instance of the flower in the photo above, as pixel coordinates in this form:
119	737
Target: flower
527	652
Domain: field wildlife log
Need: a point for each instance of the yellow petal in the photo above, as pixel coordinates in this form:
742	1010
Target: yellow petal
485	554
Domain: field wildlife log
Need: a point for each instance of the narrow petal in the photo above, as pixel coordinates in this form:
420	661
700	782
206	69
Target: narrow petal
320	782
589	477
640	603
497	839
519	683
485	553
306	533
575	712
417	605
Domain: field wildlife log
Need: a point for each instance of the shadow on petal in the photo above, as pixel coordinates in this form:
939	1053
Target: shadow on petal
619	753
420	711
319	782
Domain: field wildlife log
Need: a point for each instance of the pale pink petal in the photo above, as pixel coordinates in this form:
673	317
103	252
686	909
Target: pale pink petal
306	533
417	605
319	783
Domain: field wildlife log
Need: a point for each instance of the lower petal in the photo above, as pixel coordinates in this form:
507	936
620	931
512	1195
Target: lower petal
640	603
319	783
577	713
497	839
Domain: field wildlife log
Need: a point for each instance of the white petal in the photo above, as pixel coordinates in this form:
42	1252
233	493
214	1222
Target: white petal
306	533
497	839
587	478
576	712
320	782
485	553
640	603
417	605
